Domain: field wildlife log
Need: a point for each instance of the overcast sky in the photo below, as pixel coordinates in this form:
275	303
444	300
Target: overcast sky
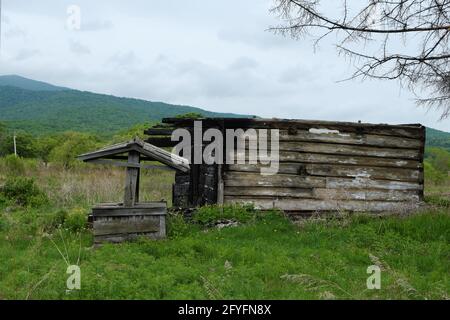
216	55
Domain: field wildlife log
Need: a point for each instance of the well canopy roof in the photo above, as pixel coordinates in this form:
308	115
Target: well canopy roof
150	151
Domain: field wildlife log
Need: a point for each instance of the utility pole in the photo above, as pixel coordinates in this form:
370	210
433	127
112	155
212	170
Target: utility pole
14	138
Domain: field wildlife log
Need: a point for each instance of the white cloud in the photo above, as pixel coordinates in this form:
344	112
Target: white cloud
214	55
78	48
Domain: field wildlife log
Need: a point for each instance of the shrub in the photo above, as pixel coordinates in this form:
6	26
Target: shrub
76	220
23	191
177	226
439	158
24	145
54	220
14	165
210	214
432	175
72	145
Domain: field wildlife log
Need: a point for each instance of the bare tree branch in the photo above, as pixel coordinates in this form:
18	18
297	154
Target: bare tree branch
403	40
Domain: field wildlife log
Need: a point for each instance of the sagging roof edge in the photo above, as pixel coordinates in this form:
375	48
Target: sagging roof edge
155	153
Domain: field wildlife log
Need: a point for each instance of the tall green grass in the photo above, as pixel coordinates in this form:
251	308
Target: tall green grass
265	256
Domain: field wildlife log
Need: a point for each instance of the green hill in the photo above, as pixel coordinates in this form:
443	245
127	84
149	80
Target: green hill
437	138
28	84
41	108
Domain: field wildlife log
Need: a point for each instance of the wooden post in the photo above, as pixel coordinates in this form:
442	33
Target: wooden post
220	185
131	181
137	184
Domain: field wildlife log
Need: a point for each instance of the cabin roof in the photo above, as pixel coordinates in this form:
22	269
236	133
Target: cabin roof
148	150
277	121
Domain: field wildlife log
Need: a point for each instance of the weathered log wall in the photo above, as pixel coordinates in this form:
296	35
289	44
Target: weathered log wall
324	166
333	167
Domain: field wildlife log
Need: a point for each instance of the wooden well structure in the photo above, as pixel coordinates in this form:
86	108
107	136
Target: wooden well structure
117	222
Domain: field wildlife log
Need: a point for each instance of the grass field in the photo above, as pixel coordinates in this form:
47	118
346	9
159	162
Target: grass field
265	257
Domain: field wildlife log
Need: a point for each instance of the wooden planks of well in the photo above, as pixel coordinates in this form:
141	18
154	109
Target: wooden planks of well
326	166
116	223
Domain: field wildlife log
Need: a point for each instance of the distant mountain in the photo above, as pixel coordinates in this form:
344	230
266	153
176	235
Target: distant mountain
28	84
41	108
437	138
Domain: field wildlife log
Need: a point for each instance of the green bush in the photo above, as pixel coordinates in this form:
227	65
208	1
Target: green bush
13	165
177	226
432	174
72	145
210	214
25	144
440	158
23	191
54	220
3	200
76	220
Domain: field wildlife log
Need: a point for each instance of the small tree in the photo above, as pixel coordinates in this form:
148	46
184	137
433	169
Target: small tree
25	144
72	145
45	145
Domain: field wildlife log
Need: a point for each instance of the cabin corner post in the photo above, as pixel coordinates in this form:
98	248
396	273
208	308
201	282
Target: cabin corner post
131	196
422	169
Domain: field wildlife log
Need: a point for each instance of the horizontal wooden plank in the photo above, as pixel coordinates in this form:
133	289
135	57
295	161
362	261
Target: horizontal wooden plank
130	165
322	193
348	138
102	212
270	192
162	142
287	156
119	238
166	131
395	174
364	183
366	194
322	205
329	170
342	149
153	204
132	224
236	179
409	130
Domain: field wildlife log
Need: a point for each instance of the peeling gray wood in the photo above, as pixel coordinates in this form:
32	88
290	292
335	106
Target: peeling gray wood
240	179
292	156
236	179
348	150
323	193
348	138
123	225
326	170
322	205
270	192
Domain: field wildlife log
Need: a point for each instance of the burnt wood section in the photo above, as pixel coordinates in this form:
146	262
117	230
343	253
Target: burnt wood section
323	166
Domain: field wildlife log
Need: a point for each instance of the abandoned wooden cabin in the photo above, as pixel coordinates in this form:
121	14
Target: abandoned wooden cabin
323	166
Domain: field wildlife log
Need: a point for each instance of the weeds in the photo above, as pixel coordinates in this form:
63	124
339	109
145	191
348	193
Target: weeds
264	257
